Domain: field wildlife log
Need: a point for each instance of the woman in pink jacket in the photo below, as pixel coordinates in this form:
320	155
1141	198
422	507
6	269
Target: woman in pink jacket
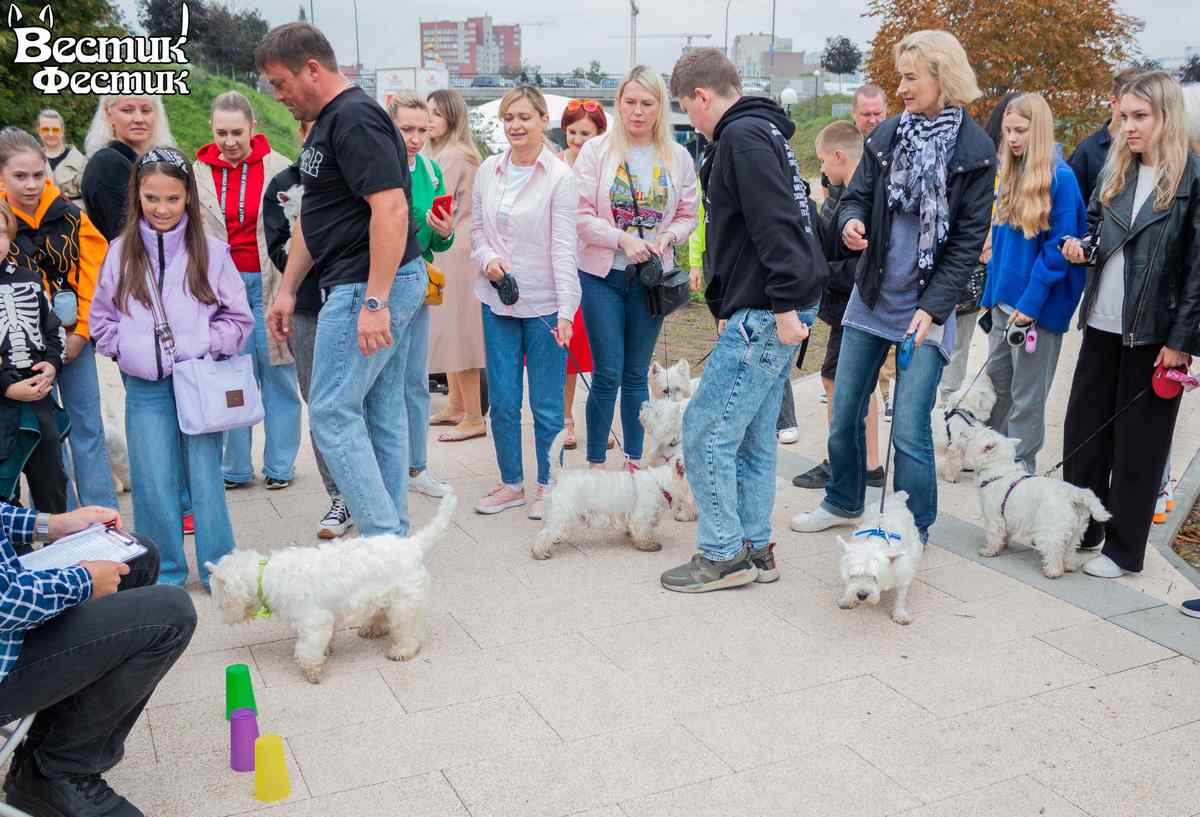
524	217
637	198
163	245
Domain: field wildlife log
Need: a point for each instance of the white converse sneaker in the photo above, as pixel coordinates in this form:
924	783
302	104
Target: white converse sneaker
1103	567
820	519
426	483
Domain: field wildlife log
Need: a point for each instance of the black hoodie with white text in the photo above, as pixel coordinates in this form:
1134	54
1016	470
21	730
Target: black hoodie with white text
763	244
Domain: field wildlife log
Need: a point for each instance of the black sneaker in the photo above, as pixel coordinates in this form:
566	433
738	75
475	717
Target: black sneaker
277	484
230	485
700	575
814	478
764	560
75	796
336	521
875	478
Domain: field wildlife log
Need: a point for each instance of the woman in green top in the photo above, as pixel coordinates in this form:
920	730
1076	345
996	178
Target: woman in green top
411	116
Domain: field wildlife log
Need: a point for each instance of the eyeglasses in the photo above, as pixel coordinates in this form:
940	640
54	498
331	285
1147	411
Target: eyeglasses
589	105
50	131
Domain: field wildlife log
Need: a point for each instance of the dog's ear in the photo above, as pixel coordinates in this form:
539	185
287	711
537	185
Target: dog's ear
686	368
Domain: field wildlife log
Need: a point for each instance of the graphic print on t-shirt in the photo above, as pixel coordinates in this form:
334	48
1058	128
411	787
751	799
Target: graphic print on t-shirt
651	200
310	162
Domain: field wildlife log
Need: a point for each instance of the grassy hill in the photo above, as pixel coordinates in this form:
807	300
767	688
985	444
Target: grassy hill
189	114
809	123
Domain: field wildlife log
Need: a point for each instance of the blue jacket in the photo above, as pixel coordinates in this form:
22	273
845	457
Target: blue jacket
1030	274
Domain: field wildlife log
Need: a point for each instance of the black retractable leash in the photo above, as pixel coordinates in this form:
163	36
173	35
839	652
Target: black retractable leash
1095	433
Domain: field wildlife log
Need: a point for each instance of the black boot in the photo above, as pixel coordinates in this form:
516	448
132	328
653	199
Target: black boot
74	796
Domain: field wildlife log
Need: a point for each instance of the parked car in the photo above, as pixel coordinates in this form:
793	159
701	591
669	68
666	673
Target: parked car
487	82
610	82
460	82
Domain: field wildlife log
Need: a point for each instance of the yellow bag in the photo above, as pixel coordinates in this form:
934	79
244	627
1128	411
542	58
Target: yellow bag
437	284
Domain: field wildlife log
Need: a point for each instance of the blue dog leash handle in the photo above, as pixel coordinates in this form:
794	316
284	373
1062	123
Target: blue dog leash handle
905	353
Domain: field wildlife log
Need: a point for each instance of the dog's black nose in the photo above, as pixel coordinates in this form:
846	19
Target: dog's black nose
863	595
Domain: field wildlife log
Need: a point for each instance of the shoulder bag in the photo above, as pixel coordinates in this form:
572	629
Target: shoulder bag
665	291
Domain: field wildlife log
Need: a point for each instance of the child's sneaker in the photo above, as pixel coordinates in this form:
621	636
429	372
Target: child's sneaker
1162	508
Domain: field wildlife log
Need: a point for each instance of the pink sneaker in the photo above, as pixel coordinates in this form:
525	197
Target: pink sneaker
537	506
500	499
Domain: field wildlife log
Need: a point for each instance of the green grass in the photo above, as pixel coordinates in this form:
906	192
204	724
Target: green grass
189	114
808	124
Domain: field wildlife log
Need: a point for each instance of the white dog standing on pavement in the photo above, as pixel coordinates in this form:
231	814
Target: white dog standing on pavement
965	410
675	383
881	557
377	582
630	501
1024	509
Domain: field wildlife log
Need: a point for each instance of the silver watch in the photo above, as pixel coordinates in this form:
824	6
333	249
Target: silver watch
373	304
41	528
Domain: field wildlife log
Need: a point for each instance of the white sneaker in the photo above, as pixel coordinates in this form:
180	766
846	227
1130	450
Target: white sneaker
789	435
820	519
1103	567
337	520
426	483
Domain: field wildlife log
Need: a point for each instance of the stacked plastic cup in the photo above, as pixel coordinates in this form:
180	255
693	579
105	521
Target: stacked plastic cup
243	732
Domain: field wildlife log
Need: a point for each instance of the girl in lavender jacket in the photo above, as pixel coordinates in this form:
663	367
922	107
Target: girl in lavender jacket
163	245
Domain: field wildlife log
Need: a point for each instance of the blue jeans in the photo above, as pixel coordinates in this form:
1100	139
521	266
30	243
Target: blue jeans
89	475
729	433
416	392
357	403
916	387
513	344
622	334
162	462
281	402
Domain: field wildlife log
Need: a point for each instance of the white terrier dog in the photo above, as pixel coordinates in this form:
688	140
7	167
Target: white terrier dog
114	441
663	421
631	501
290	200
885	556
1019	508
675	383
377	582
965	409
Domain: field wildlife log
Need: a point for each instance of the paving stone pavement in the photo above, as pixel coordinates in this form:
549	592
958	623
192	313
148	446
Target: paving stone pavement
578	686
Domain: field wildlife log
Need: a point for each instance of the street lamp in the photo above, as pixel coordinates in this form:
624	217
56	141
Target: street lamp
816	89
728	3
788	98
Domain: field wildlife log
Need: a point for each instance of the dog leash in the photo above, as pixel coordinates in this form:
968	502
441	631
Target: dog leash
1093	435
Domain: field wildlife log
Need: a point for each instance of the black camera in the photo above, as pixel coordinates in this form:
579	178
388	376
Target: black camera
1089	243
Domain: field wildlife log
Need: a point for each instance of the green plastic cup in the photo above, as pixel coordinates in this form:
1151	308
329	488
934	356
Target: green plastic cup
239	692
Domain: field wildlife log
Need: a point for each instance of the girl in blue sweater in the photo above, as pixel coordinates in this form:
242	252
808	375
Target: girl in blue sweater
1029	283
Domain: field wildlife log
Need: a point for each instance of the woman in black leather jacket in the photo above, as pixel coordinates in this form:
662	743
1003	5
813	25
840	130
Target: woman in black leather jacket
1141	310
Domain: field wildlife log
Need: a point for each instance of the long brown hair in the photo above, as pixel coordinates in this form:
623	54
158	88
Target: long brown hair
135	261
453	109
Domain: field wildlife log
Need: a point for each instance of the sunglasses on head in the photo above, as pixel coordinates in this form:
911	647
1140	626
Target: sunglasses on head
589	105
50	130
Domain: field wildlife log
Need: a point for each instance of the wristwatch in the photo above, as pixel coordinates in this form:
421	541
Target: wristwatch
373	304
41	528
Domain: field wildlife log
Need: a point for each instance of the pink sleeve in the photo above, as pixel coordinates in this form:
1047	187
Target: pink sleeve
482	252
564	245
233	321
595	228
104	317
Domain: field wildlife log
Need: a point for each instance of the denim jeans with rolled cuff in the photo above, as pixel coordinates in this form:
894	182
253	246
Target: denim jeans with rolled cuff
85	454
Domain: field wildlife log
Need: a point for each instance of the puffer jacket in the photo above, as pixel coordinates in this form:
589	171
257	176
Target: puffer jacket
1162	263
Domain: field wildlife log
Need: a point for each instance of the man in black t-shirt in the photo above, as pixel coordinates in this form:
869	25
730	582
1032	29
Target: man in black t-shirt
355	226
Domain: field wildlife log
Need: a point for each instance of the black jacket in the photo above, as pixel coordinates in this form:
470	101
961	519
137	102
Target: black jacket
842	261
278	231
1162	263
761	239
105	187
1088	160
970	180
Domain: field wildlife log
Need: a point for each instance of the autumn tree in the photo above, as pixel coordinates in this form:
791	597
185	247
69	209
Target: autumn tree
1063	49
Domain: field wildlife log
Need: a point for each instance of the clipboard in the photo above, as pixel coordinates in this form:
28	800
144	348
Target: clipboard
95	543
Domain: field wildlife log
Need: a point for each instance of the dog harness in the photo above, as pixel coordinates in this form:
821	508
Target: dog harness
1008	493
264	609
967	417
633	469
880	533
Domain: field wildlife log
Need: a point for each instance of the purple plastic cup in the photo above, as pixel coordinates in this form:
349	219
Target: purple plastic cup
243	731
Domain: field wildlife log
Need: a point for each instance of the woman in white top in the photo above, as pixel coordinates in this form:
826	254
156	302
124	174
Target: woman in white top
637	198
1140	311
524	228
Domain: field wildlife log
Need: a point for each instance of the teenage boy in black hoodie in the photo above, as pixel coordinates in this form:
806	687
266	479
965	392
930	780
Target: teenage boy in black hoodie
768	273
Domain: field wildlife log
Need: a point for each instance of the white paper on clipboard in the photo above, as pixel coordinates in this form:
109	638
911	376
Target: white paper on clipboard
96	543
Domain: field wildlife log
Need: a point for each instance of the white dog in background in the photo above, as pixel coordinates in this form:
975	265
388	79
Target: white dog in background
1019	508
884	556
674	383
378	582
965	410
633	502
290	200
114	440
663	421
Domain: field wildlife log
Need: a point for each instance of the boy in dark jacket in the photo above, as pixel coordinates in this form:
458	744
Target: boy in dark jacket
768	271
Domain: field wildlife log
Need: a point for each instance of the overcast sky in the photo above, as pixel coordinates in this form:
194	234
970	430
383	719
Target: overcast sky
583	30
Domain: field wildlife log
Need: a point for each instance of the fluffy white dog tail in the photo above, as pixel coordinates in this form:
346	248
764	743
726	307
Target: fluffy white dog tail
556	449
437	527
1084	499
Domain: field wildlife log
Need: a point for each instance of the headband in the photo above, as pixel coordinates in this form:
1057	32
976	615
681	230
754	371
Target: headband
169	156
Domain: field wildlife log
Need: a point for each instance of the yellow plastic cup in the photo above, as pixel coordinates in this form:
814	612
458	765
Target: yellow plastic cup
271	782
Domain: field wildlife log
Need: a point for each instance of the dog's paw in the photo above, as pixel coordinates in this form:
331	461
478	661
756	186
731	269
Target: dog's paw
312	674
902	616
685	514
1051	571
847	604
374	629
646	545
987	551
540	551
404	650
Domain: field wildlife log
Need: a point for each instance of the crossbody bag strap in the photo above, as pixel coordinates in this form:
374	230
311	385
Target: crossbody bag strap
162	328
637	213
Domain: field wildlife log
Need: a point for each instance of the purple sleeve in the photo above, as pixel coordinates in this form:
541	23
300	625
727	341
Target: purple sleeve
104	318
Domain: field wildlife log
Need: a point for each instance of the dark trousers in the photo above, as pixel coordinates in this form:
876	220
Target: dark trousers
44	468
1124	463
89	672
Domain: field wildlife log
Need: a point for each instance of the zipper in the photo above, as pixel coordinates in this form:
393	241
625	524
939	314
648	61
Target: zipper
162	274
1141	301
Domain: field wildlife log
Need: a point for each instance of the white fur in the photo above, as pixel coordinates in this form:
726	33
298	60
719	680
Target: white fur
871	565
378	582
949	446
675	383
290	200
1048	514
114	441
663	421
595	499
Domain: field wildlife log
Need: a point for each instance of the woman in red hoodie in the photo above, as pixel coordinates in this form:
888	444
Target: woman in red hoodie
231	173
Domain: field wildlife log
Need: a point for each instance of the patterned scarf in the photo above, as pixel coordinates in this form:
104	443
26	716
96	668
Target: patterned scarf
918	180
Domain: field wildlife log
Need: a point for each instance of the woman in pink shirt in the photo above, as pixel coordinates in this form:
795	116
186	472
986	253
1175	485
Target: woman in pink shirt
525	207
638	198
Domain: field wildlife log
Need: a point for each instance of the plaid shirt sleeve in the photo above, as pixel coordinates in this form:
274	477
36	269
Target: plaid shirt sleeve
28	598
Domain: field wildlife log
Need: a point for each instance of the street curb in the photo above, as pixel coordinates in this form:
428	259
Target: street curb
1187	491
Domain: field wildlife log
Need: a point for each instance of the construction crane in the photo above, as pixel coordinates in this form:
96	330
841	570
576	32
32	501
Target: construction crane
686	36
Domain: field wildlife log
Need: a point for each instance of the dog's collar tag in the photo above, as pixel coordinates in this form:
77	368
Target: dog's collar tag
264	609
881	533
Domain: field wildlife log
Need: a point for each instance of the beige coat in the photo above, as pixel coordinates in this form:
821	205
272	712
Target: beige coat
456	326
69	174
214	225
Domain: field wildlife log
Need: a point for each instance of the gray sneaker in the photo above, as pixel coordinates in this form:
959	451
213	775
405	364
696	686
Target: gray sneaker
701	574
763	560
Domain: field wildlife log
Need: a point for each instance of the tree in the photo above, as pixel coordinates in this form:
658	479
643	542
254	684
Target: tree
841	56
579	73
595	72
1190	72
1063	49
220	37
1146	64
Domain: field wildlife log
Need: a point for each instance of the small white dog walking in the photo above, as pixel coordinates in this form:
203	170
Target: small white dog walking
631	501
1026	509
882	557
965	410
378	582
